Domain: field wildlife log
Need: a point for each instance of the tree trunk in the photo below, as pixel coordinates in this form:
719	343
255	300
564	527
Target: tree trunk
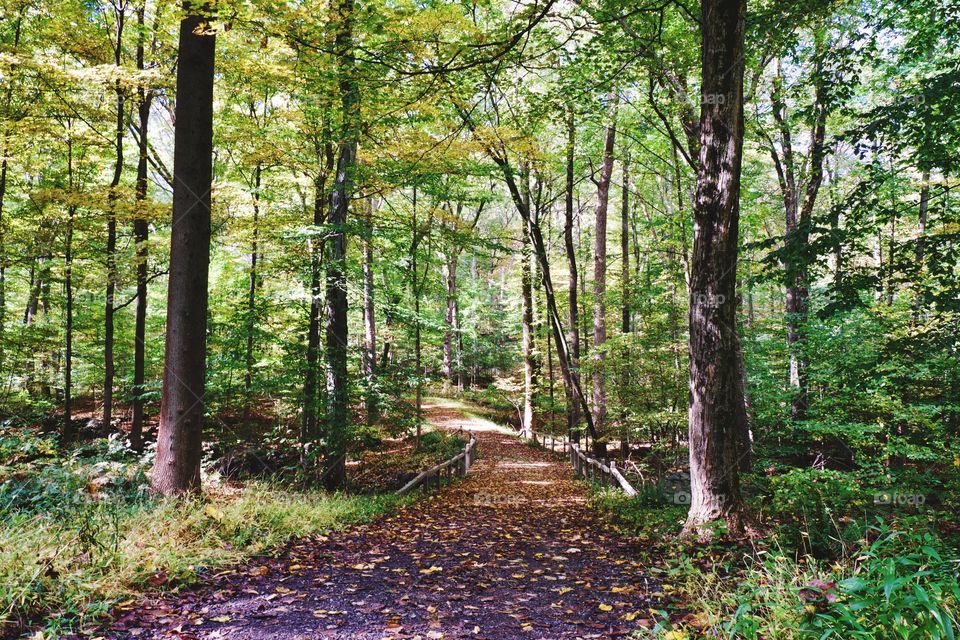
528	427
252	285
450	317
600	289
369	320
4	159
141	232
716	403
177	467
625	246
68	431
338	399
308	429
921	239
573	405
109	368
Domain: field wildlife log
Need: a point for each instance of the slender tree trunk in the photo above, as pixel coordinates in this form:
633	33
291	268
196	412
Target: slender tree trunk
308	429
450	316
716	405
625	246
141	232
109	368
921	239
417	343
252	285
573	404
529	366
369	320
600	290
68	430
4	160
177	467
338	398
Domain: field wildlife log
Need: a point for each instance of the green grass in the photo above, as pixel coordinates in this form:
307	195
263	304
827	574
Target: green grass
896	581
71	567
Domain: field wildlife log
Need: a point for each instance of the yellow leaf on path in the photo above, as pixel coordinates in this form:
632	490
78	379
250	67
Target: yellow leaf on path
433	569
605	607
221	618
563	590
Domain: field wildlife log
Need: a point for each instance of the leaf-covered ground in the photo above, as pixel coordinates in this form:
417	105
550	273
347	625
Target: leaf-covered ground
513	551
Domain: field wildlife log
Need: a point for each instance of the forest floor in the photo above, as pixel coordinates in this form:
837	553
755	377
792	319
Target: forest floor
512	551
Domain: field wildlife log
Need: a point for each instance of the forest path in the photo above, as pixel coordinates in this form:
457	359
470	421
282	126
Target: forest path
512	551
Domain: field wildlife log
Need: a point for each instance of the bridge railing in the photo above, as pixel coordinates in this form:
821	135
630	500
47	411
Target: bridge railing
455	467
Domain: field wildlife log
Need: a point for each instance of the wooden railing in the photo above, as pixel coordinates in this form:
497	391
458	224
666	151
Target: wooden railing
599	471
457	466
584	465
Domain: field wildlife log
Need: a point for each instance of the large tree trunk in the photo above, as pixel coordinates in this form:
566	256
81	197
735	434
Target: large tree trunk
573	404
717	412
600	289
177	467
141	232
109	368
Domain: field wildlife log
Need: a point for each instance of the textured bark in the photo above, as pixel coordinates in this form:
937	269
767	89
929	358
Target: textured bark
600	289
338	399
177	467
717	412
141	232
109	369
573	405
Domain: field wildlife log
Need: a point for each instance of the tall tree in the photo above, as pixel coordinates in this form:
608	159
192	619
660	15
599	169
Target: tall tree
600	279
717	412
338	398
109	367
177	466
141	231
573	403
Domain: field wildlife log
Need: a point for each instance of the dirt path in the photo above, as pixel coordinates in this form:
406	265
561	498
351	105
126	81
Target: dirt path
513	551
